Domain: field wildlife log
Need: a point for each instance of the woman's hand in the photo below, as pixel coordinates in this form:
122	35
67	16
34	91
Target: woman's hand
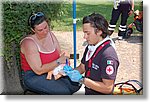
62	59
65	52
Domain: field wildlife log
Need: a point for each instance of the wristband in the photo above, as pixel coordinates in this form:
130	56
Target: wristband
81	81
58	62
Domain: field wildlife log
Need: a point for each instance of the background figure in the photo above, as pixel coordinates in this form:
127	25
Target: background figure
40	54
123	8
100	61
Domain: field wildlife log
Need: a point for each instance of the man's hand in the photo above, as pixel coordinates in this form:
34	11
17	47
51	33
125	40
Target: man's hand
130	12
74	75
67	68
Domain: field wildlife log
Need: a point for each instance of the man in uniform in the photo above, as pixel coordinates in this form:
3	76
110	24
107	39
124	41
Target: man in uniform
123	8
100	61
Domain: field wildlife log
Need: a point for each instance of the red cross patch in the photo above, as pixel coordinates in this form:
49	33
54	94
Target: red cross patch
109	70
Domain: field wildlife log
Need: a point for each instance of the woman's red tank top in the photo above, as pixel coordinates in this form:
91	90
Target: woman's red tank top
45	58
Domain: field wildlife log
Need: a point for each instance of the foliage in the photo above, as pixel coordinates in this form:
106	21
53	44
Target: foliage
15	22
86	7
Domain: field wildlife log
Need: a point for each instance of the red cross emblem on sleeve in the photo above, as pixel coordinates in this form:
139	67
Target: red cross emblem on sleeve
109	70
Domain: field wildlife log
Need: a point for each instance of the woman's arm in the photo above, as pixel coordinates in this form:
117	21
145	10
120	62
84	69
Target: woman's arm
30	50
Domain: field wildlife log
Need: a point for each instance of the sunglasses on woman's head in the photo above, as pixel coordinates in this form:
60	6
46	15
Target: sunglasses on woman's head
34	16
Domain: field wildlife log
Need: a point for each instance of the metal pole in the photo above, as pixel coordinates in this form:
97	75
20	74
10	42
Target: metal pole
74	30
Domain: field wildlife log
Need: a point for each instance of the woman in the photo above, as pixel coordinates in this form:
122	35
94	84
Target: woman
40	53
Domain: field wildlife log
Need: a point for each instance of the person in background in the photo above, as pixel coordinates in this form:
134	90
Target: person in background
40	53
99	62
124	8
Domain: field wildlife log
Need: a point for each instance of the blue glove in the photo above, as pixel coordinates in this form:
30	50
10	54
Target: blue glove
67	68
74	75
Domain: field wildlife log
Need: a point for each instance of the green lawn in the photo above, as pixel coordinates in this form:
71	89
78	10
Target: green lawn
84	9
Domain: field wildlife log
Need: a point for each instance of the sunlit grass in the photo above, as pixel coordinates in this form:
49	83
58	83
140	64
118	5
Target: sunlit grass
84	9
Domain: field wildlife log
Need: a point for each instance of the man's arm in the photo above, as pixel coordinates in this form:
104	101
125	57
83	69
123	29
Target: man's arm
132	8
106	86
132	5
81	68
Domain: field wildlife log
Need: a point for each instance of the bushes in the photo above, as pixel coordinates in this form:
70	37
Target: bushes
15	23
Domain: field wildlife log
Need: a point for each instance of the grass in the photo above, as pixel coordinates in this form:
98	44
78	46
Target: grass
84	9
